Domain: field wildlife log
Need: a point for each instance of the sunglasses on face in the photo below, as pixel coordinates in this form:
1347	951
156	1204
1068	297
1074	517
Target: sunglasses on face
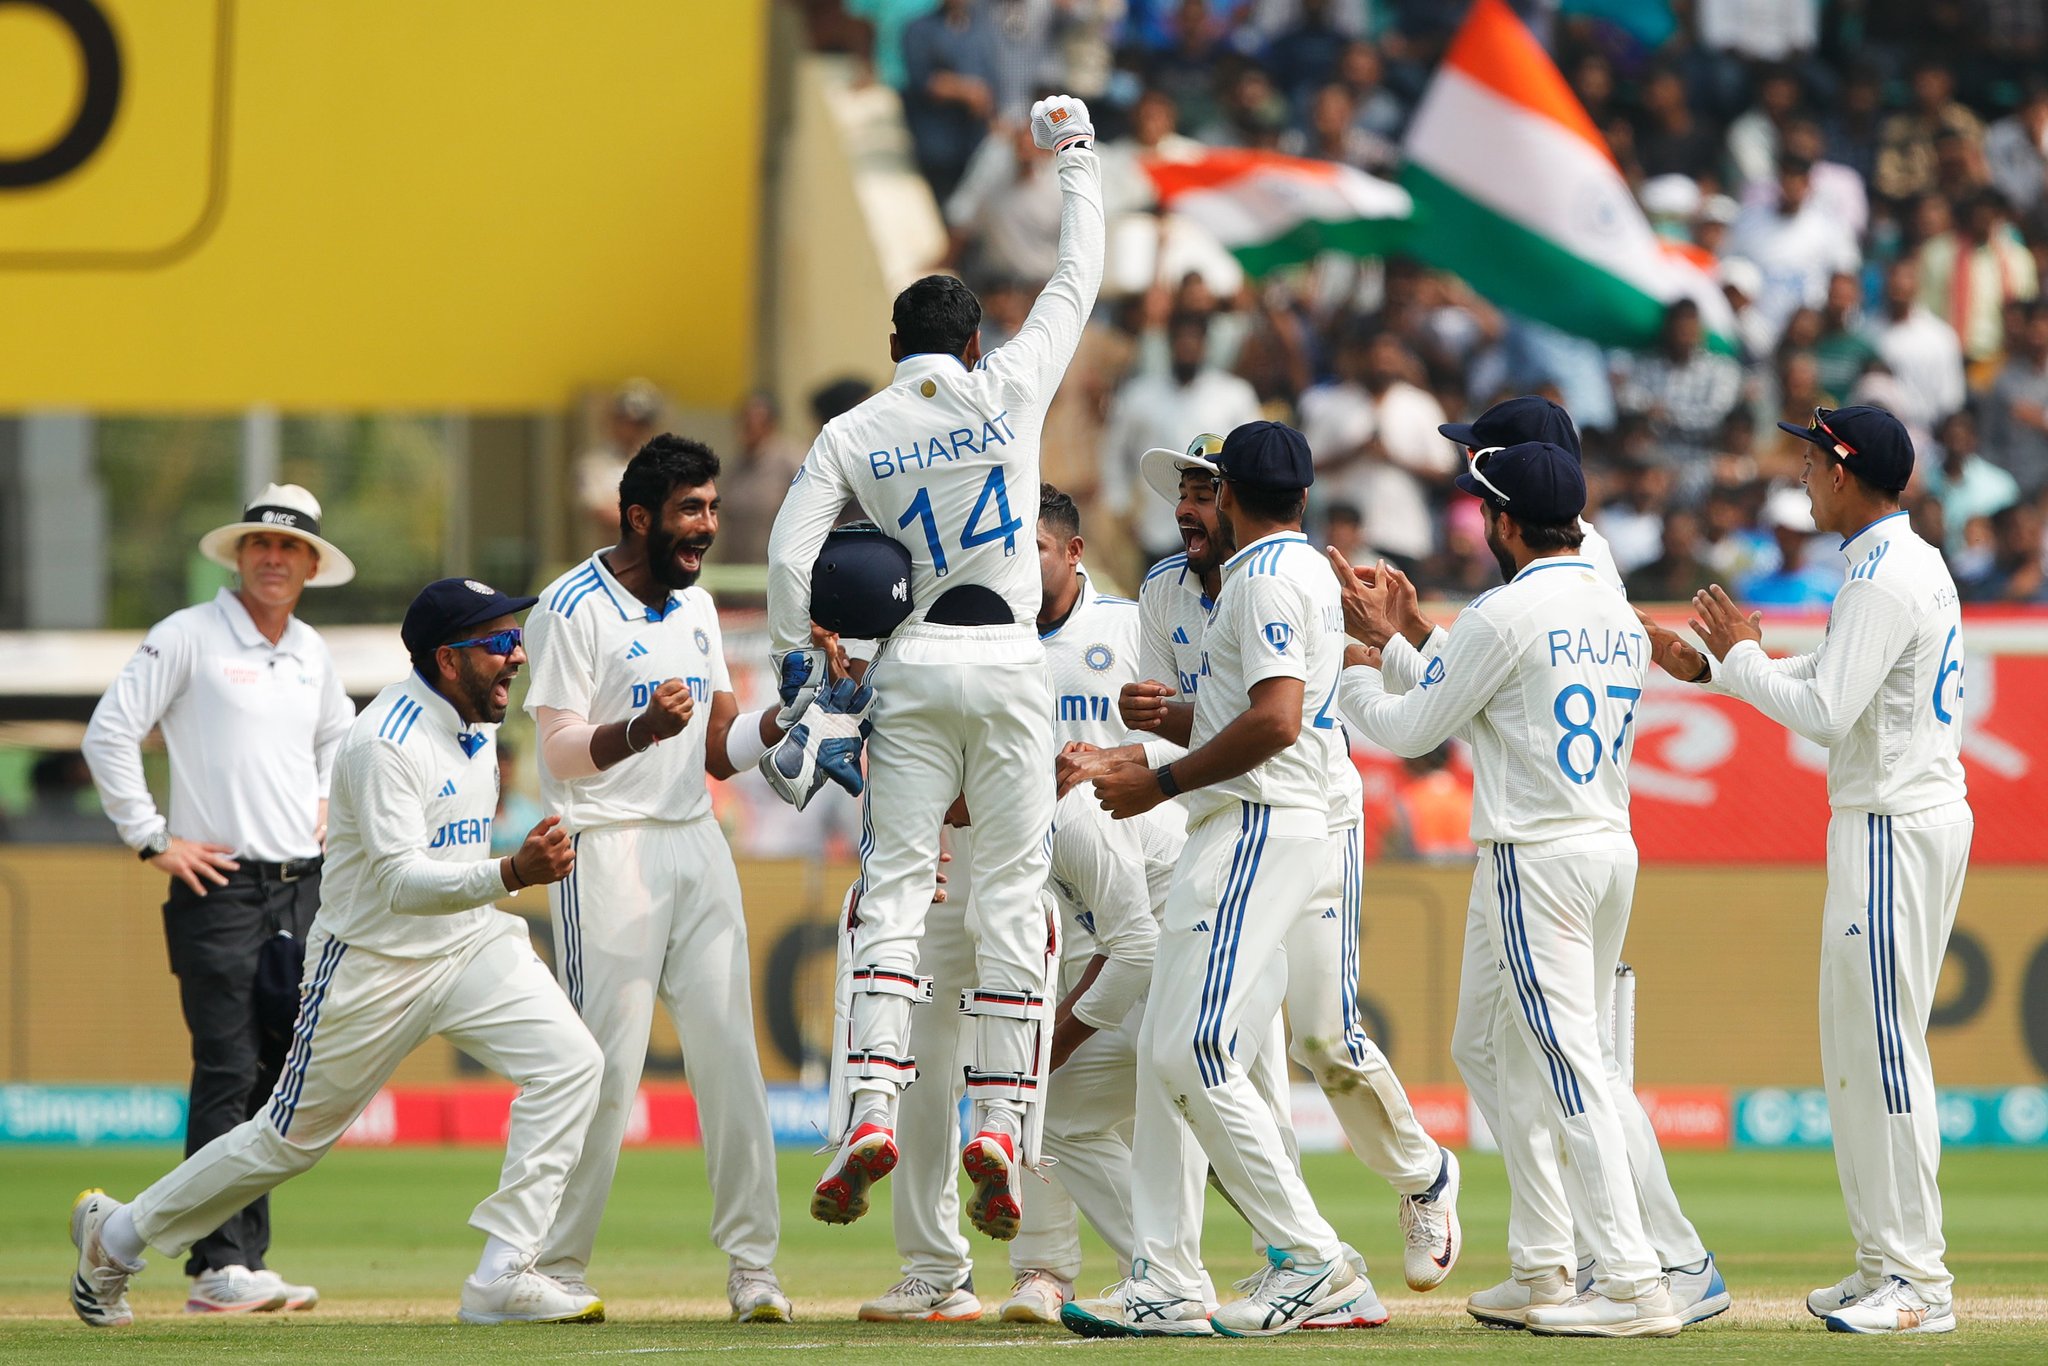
497	642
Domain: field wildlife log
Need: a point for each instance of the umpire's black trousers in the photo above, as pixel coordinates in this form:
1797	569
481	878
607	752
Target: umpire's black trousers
234	972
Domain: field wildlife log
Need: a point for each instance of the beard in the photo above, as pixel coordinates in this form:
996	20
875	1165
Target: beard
666	554
1224	544
1204	547
1500	552
486	693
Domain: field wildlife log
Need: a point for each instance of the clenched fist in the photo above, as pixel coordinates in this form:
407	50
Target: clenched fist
545	856
667	712
1142	705
1060	122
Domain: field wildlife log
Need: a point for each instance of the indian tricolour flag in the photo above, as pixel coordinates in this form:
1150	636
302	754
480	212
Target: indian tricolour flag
1516	191
1272	210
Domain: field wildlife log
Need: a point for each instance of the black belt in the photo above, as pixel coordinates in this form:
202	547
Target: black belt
291	870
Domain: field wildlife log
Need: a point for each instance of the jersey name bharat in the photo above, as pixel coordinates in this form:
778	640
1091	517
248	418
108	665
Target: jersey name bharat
1279	615
1091	655
600	652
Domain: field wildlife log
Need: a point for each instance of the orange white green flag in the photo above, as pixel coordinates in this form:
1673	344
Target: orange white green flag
1272	210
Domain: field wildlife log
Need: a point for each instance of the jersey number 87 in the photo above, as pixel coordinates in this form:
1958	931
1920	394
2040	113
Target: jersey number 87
1582	728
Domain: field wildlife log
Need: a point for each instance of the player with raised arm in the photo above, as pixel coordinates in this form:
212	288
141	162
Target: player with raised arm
1884	695
1542	675
946	460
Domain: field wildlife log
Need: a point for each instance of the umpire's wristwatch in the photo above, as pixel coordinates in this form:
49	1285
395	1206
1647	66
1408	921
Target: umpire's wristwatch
154	845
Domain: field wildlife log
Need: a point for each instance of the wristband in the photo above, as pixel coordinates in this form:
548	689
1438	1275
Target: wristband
632	748
1164	773
519	881
743	743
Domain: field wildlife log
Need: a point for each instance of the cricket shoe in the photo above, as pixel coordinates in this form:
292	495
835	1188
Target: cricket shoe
1137	1307
1700	1291
1652	1314
99	1284
990	1161
1841	1294
1363	1310
1036	1298
526	1296
296	1297
1286	1295
756	1296
1894	1307
576	1285
917	1300
867	1156
233	1290
1429	1224
1507	1305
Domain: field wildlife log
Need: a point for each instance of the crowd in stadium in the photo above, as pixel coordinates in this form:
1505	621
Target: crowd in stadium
1877	222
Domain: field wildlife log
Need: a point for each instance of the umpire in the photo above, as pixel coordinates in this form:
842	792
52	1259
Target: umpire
252	714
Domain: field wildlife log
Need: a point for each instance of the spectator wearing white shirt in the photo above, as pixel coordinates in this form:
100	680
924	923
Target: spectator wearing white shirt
1796	243
1683	389
252	713
2016	151
1005	214
1376	444
1920	350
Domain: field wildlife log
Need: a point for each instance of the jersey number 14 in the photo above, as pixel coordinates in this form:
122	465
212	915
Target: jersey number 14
995	490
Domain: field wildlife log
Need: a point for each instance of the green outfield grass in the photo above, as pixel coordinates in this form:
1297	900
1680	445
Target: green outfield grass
383	1236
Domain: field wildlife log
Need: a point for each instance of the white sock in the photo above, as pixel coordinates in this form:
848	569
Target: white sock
500	1259
1002	1117
119	1240
875	1107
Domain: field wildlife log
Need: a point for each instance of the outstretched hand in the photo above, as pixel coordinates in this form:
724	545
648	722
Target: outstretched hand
1720	622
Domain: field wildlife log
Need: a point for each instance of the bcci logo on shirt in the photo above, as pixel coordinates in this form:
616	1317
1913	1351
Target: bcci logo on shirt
703	642
1279	635
1098	657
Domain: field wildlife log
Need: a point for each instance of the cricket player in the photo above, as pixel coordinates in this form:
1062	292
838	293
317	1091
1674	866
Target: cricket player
1532	417
946	460
1322	951
634	707
406	945
1543	676
1264	744
1883	694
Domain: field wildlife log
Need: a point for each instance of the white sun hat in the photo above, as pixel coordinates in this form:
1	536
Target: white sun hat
283	509
1162	468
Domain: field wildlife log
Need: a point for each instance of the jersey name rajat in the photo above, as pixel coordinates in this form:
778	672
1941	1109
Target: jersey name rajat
923	453
700	690
1610	647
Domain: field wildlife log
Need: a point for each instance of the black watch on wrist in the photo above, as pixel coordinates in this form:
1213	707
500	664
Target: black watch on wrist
1164	773
154	845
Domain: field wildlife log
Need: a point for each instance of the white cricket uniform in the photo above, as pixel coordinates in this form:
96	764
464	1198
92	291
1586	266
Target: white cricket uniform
1883	693
946	460
1543	675
406	946
1256	854
652	912
1594	550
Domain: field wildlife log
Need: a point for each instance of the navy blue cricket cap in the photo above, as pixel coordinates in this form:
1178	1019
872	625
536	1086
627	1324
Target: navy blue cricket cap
1870	441
447	609
860	582
1536	481
1512	421
1269	455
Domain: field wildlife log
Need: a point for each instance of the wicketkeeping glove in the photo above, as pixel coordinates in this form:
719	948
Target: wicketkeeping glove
1061	122
799	675
824	744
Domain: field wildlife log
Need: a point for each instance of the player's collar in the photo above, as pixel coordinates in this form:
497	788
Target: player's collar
1263	543
1553	562
629	605
1883	529
439	710
1086	595
244	628
925	363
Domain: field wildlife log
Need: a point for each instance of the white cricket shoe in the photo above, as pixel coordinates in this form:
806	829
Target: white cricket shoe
868	1155
1429	1223
574	1283
295	1296
1507	1305
1363	1310
756	1296
1653	1314
1894	1307
917	1300
526	1296
99	1284
1137	1307
1841	1294
1286	1295
1700	1294
1036	1298
990	1161
232	1290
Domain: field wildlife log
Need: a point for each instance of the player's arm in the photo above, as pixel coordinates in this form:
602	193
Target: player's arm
337	714
1476	661
1866	633
384	787
734	742
1135	700
807	513
1033	362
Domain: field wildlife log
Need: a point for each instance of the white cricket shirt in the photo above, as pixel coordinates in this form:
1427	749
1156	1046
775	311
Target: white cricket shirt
946	459
1110	880
1092	654
251	728
598	651
1542	676
409	868
1884	692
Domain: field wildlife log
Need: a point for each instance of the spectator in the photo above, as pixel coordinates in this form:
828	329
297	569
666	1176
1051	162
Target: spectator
1305	56
1631	517
1376	109
1798	395
2015	574
631	420
1184	67
1969	273
1167	411
1251	114
1670	138
1837	191
889	18
1794	242
1905	153
951	61
1765	30
1333	134
2016	410
1919	348
1853	124
1433	810
1681	569
1736	548
1683	389
1964	484
1004	219
1796	580
1843	350
2016	150
752	483
1754	138
58	783
1344	532
1376	445
1154	132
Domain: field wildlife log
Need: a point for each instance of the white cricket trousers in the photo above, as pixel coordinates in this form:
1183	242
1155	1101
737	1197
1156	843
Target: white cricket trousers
652	914
360	1014
1560	912
1322	1007
958	710
1894	883
1249	872
1541	1226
